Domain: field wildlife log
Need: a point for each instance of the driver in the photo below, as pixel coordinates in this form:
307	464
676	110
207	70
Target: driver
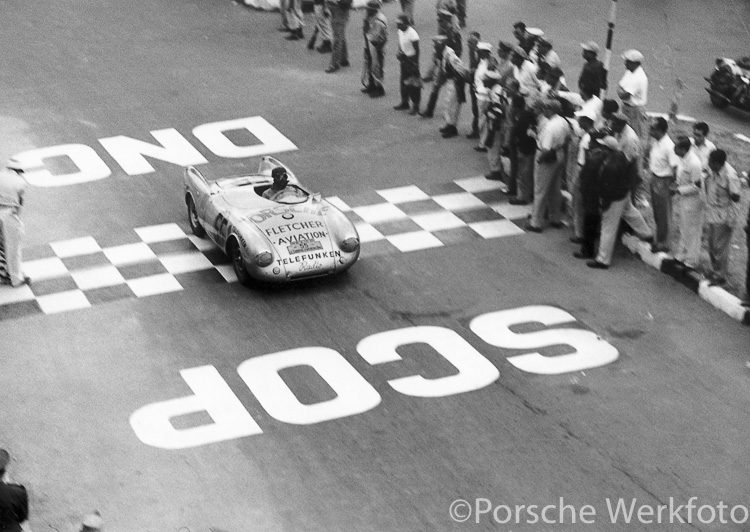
279	191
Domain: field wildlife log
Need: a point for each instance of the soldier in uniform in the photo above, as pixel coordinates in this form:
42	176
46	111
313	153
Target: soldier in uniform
375	29
12	188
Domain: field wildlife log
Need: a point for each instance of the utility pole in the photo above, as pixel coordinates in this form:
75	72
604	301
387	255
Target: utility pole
610	35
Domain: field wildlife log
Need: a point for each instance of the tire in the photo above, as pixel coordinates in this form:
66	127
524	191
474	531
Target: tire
195	224
238	264
721	103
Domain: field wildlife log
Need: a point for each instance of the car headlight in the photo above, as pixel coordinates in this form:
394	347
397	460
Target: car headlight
264	258
350	245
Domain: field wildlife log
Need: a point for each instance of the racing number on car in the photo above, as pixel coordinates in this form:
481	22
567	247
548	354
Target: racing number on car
354	395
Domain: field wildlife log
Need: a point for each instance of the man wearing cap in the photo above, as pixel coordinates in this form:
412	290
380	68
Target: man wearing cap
14	501
722	188
12	190
614	193
525	39
660	164
456	74
688	175
593	74
339	10
633	91
546	57
576	160
481	94
552	137
375	30
472	44
525	72
408	57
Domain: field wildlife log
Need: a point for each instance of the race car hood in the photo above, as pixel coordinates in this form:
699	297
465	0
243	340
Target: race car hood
300	237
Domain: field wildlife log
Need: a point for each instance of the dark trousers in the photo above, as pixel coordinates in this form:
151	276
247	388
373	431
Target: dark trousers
434	93
661	203
591	221
474	109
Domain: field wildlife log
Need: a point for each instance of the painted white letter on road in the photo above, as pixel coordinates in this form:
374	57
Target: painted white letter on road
90	165
152	424
129	153
591	351
354	394
214	138
474	371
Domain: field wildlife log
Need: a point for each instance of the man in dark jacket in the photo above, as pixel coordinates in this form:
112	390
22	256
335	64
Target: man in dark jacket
14	502
591	206
614	193
593	74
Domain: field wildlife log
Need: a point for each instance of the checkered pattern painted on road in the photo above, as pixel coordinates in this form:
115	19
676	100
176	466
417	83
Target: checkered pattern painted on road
83	272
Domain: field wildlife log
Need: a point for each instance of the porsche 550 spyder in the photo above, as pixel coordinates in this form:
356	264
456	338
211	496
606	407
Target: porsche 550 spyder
298	238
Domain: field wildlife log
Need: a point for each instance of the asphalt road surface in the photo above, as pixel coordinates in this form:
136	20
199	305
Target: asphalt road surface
466	362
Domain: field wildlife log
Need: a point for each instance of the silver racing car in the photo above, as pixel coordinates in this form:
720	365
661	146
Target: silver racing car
297	238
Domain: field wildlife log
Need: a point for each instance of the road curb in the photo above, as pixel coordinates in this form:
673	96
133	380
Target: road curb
716	296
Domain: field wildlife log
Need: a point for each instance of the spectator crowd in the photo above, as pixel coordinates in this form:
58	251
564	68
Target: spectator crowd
542	133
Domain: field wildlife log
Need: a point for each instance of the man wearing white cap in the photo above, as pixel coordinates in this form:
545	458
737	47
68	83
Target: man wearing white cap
593	74
633	91
479	93
12	189
576	158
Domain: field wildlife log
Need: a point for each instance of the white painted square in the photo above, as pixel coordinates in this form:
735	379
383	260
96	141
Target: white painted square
414	241
479	184
8	294
62	301
227	272
436	221
154	284
75	247
160	233
42	269
97	277
511	212
403	194
368	233
192	261
382	212
203	244
460	201
496	228
129	254
338	203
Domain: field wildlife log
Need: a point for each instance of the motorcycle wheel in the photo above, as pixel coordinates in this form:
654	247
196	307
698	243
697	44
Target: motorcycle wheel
719	102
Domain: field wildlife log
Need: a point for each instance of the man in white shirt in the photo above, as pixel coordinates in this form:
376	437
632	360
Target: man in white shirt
481	95
701	145
12	190
633	91
660	163
688	174
525	72
408	56
552	138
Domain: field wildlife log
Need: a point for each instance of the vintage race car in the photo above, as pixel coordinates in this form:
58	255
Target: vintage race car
265	240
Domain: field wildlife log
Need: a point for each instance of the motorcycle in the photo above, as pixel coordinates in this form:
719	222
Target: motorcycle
729	83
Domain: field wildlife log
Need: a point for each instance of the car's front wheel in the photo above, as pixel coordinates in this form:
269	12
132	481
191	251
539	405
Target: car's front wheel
238	263
195	223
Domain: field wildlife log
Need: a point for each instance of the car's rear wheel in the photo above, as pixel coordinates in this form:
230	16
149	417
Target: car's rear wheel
235	254
195	223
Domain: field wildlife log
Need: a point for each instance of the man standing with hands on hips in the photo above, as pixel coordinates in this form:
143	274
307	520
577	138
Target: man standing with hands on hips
12	188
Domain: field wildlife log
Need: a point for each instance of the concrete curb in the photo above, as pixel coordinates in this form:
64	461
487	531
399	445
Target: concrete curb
716	296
